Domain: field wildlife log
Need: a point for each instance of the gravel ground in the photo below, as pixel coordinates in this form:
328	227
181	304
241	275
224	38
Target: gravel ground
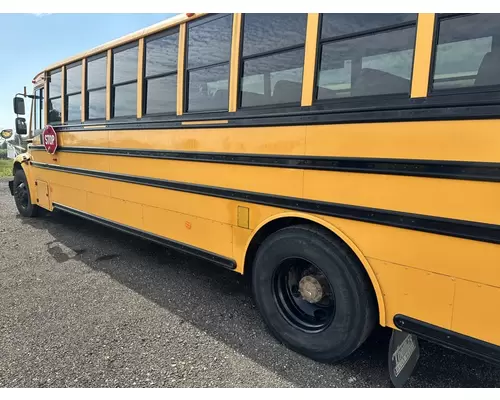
82	305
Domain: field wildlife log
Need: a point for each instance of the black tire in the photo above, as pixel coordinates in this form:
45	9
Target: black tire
318	333
22	196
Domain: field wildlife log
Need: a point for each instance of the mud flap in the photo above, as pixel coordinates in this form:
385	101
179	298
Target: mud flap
404	353
11	187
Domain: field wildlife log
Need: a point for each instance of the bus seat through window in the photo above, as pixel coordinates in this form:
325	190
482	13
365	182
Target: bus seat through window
287	92
488	73
372	82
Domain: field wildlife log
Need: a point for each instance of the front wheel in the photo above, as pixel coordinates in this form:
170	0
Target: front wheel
313	294
22	195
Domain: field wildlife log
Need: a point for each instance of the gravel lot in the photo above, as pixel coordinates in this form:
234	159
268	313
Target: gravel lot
82	305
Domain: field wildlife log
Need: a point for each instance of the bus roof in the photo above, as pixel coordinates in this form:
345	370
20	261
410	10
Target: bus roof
158	27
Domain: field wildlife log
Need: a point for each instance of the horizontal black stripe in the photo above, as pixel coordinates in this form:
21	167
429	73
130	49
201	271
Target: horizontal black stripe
456	341
442	226
464	170
195	251
391	108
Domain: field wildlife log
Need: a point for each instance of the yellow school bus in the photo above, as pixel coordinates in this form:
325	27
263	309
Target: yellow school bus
348	163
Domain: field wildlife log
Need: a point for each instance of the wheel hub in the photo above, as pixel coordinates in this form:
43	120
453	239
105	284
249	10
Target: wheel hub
303	294
310	289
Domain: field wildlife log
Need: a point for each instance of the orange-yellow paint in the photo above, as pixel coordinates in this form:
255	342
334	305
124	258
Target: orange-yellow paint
310	59
84	85
235	63
180	69
476	311
140	75
423	51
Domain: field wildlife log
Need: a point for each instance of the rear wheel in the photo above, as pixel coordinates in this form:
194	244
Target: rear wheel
313	294
22	195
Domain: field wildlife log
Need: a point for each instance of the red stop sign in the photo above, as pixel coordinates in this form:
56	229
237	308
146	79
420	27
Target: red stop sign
49	137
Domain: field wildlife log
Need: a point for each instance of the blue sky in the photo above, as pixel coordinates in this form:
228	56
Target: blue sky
31	42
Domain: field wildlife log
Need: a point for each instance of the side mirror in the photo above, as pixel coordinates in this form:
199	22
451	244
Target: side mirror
19	106
21	126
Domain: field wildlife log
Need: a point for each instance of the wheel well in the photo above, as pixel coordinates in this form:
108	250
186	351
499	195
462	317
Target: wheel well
17	166
263	234
280	223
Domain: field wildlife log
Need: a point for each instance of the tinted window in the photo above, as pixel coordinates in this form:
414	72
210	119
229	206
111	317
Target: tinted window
333	25
96	87
96	73
73	107
36	112
160	83
73	92
267	32
281	72
161	94
125	65
377	63
97	104
42	110
38	116
125	100
162	55
55	110
209	42
55	84
74	79
207	75
272	59
209	88
125	62
468	52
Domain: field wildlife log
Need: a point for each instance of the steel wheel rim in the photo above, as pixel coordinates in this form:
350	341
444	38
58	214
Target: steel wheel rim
303	294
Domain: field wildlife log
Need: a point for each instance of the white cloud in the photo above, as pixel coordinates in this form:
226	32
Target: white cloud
41	15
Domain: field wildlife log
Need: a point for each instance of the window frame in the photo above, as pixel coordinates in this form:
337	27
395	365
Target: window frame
268	53
86	89
170	31
468	92
67	95
185	90
362	100
58	70
113	86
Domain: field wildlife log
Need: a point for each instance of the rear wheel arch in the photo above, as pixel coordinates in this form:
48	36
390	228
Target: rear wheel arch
280	221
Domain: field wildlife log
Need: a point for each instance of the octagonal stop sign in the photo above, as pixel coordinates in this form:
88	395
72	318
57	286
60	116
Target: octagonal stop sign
49	137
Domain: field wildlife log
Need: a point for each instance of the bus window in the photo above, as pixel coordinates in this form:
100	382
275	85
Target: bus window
96	87
207	72
468	52
160	77
38	110
55	81
365	55
272	59
73	92
124	92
